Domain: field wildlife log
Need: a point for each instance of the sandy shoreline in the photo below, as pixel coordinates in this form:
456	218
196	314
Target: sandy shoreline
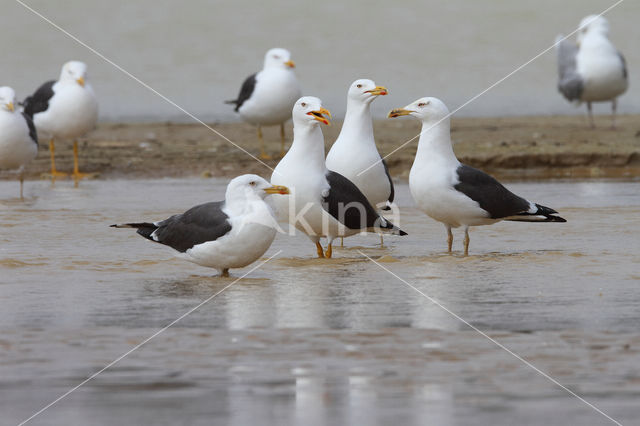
508	147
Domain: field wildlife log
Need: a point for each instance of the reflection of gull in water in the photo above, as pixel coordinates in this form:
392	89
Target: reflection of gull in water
592	70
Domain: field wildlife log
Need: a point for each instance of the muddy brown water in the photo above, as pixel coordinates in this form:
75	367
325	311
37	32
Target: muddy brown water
308	341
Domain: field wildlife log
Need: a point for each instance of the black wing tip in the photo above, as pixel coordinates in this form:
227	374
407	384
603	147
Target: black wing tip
392	229
558	219
386	208
133	225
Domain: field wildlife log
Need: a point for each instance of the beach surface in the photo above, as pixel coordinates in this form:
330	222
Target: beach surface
517	148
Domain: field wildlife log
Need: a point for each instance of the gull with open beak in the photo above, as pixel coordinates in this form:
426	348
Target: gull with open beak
322	203
64	109
18	138
266	97
453	193
355	154
224	234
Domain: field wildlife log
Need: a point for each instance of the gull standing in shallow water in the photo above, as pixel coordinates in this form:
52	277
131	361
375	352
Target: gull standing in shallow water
354	154
453	193
66	108
266	97
322	203
592	70
223	234
18	138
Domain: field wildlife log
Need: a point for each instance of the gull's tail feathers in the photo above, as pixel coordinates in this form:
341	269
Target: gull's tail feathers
144	228
541	214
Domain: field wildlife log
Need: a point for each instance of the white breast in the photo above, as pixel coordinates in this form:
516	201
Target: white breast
303	207
272	100
72	112
373	183
432	188
16	146
601	68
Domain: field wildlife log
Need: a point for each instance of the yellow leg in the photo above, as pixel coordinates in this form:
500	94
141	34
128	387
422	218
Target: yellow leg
466	241
225	273
76	172
282	153
341	242
263	153
329	251
319	249
381	241
449	239
52	152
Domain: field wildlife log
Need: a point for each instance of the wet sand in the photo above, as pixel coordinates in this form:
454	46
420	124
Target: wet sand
317	341
508	147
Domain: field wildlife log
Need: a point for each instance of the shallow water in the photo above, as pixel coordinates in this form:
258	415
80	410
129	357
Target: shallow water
310	341
198	53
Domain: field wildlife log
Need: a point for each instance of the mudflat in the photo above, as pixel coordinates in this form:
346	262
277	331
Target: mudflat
508	147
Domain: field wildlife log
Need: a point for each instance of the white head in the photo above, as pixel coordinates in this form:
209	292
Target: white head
7	99
593	24
424	109
308	111
251	187
365	90
74	71
278	58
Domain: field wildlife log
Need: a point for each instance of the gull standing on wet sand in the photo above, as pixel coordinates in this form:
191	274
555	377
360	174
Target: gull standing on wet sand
18	137
64	109
322	203
454	193
354	154
592	70
223	234
266	97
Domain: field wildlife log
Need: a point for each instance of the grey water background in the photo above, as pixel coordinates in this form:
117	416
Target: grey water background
318	341
198	52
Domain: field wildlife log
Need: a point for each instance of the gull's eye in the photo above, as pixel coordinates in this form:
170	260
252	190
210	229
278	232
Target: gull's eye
359	86
422	104
276	56
303	104
252	183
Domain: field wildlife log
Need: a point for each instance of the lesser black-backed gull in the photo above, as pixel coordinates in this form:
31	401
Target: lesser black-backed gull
18	137
592	70
453	193
322	203
266	97
224	234
354	154
64	109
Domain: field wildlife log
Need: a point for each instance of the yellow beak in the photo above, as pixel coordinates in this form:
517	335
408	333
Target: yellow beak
277	189
11	107
379	90
397	112
290	64
80	81
318	115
